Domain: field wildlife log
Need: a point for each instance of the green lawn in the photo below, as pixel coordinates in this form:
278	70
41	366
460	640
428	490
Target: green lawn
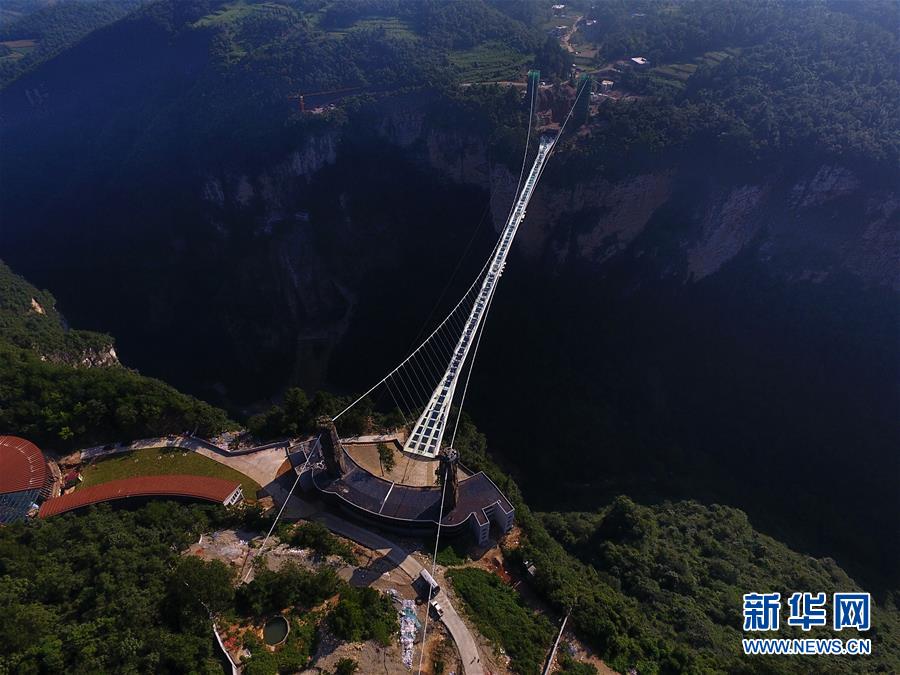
680	72
162	461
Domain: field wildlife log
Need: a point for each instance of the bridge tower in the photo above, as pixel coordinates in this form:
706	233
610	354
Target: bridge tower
534	81
332	450
448	477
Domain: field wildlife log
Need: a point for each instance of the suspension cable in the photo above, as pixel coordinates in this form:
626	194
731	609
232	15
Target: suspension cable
488	206
471	367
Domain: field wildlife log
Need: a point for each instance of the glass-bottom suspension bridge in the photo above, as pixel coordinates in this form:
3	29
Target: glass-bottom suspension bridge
424	385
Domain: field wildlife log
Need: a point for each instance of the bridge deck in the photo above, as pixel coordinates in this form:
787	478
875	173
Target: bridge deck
429	430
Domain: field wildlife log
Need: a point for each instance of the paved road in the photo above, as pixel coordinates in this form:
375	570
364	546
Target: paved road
261	466
568	36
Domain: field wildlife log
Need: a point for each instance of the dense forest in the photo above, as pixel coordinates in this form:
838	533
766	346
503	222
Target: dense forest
109	591
103	592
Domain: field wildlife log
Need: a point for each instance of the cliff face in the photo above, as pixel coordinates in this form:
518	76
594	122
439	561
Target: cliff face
29	320
318	233
826	218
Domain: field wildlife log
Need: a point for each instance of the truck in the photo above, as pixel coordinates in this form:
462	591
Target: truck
428	585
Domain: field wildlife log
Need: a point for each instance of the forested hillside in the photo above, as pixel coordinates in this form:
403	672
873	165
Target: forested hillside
745	84
659	588
58	618
33	32
64	388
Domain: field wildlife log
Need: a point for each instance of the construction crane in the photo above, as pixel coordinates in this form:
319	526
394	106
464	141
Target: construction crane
301	104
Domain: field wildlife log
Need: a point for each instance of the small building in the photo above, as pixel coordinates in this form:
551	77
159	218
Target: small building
639	61
606	85
558	9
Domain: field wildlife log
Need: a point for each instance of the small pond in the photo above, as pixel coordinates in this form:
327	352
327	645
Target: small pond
275	630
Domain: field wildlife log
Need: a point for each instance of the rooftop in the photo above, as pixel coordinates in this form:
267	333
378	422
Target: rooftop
22	465
193	487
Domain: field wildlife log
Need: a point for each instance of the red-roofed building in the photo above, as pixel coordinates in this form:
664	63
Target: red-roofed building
202	488
24	477
22	465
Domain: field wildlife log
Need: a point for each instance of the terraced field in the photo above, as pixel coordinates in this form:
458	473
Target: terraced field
488	62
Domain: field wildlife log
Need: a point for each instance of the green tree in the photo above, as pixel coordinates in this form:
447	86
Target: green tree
296	411
199	590
363	614
346	666
386	457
